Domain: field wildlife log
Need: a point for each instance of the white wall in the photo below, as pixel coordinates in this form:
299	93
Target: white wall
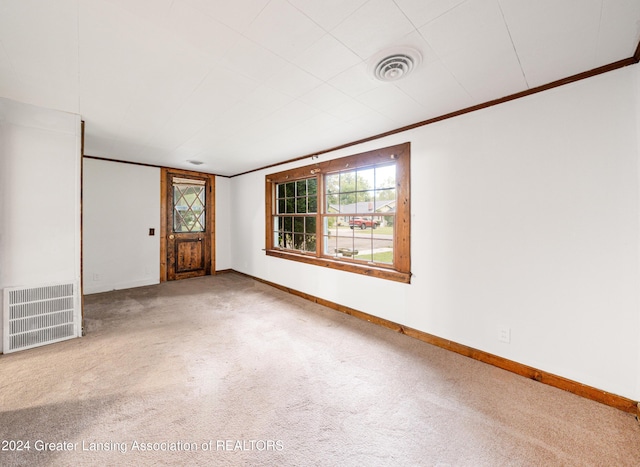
524	215
636	99
223	224
40	196
121	202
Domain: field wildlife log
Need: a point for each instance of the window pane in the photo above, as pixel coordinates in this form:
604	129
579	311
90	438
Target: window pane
332	183
365	204
386	177
301	188
382	251
313	204
328	243
288	224
386	200
344	246
290	189
365	255
347	202
327	224
288	240
310	243
365	197
347	181
291	205
332	203
364	180
312	186
281	206
301	205
298	224
310	224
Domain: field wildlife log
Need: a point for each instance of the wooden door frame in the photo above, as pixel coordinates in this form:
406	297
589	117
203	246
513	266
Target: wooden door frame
209	215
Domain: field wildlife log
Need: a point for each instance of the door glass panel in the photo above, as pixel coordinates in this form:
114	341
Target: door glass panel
188	205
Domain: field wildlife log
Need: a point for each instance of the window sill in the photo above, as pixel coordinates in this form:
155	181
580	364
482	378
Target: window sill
367	270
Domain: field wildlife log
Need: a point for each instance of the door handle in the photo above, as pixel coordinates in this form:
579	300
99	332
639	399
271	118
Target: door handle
171	237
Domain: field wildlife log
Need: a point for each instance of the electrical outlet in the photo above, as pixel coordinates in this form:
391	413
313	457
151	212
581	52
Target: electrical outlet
504	334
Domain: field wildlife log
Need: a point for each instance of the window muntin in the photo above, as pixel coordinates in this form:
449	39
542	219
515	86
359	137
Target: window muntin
351	213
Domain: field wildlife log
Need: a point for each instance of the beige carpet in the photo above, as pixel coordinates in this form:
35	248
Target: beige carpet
227	371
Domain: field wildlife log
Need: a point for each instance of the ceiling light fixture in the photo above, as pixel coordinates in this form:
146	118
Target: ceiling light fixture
394	64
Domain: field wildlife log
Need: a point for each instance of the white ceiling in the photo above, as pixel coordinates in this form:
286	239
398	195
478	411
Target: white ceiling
241	84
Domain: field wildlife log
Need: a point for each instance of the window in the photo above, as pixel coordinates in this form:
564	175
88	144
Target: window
188	205
351	214
295	222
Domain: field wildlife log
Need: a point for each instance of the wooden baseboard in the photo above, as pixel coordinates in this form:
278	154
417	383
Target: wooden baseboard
226	271
588	392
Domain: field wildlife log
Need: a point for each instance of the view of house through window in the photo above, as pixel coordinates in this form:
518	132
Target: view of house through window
359	213
345	211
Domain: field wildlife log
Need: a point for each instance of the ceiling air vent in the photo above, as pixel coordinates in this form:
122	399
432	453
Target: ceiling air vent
392	65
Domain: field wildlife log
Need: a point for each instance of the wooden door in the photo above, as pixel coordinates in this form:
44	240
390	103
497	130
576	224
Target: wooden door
188	224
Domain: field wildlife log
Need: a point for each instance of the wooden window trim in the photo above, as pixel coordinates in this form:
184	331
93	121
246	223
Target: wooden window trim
401	269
